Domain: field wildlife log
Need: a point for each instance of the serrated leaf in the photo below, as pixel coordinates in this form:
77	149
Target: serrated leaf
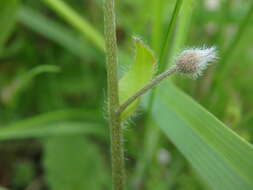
73	163
220	156
141	72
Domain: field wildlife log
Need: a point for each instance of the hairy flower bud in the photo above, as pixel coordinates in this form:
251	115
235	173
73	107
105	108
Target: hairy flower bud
194	61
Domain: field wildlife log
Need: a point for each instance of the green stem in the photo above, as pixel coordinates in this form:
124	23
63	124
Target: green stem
117	154
147	87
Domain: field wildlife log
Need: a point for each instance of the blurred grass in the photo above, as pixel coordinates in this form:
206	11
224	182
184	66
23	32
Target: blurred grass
77	22
55	31
46	34
8	12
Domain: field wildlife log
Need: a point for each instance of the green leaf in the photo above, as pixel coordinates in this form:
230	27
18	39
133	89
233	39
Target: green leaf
221	157
53	129
55	31
73	163
169	36
182	29
8	11
10	93
78	22
55	123
141	72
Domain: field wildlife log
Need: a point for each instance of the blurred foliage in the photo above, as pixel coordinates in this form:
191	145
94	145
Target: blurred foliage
53	151
24	173
73	163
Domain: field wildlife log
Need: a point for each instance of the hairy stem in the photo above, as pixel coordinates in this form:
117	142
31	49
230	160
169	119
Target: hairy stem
117	154
149	86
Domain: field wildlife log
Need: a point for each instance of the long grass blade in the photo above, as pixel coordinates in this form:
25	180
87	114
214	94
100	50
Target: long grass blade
78	22
220	157
54	31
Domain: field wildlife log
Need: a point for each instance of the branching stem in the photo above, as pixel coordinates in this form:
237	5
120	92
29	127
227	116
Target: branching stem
143	90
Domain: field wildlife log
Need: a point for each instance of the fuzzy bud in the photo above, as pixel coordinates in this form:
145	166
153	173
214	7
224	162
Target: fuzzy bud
194	61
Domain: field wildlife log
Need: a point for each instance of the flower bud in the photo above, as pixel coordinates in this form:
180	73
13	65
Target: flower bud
194	61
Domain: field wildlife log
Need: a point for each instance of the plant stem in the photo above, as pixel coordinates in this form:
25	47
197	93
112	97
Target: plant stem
147	87
117	154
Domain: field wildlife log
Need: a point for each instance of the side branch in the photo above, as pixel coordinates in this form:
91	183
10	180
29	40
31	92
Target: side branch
143	90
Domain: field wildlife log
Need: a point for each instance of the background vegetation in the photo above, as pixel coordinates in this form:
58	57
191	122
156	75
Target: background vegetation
54	133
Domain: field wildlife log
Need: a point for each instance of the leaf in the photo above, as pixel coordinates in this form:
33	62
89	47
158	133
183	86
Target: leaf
55	123
169	36
182	29
53	129
138	76
221	157
76	21
55	31
10	93
8	10
72	163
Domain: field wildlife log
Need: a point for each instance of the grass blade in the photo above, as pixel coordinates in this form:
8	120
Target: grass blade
221	157
224	64
77	22
11	93
54	31
30	128
168	37
54	129
158	11
152	135
8	11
